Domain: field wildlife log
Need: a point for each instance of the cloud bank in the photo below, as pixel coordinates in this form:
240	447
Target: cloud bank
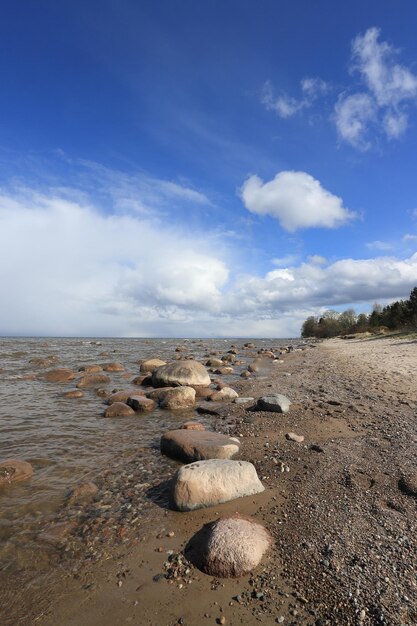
69	268
296	199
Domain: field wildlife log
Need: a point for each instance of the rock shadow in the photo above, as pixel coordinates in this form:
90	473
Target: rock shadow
160	494
196	549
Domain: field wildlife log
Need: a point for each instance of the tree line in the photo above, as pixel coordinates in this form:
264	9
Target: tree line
398	315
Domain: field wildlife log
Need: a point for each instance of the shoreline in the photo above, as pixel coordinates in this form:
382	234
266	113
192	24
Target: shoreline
356	405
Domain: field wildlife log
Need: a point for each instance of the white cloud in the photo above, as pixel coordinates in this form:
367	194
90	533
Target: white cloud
77	270
284	261
68	268
341	283
409	237
389	82
296	199
390	87
380	245
352	116
286	106
317	259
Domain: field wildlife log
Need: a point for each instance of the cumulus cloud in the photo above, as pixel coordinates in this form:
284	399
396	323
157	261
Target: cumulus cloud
340	283
69	268
286	106
80	271
296	199
390	88
409	237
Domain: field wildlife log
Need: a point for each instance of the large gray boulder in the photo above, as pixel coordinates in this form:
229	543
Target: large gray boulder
194	445
274	402
179	373
233	546
207	483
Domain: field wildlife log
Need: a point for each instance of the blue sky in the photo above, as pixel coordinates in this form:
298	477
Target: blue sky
182	168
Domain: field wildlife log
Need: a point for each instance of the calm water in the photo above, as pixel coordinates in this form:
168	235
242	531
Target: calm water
68	440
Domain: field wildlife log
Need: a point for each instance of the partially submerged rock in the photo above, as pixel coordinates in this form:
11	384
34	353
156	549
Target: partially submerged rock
74	393
193	426
83	492
207	483
113	367
119	409
230	547
93	380
141	404
150	365
121	396
274	402
14	471
194	445
178	398
188	373
90	369
60	375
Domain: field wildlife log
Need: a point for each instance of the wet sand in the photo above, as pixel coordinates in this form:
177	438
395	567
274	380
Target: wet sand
344	533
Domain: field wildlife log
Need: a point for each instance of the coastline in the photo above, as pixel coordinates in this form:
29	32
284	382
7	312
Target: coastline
337	516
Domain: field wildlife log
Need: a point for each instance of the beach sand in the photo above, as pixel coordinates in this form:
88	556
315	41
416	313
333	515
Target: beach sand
344	533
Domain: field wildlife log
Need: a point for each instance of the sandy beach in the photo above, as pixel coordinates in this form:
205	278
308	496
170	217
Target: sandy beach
343	528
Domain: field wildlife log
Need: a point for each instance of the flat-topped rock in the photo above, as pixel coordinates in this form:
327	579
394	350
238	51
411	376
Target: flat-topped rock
188	373
122	396
150	365
60	375
243	400
274	402
207	483
113	367
229	547
73	393
194	445
14	471
90	369
93	380
141	404
212	408
193	426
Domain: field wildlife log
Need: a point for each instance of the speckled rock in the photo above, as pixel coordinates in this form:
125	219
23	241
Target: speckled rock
207	483
188	373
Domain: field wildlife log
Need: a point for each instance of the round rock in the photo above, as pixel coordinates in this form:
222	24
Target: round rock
150	365
234	546
118	409
188	373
